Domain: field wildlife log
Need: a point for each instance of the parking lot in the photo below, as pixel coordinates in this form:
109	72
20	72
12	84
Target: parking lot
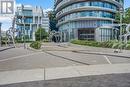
54	55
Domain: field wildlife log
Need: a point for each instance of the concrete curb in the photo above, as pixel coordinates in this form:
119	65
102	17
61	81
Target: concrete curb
31	49
81	51
66	58
7	48
99	53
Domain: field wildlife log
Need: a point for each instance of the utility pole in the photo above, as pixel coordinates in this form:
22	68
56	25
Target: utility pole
0	35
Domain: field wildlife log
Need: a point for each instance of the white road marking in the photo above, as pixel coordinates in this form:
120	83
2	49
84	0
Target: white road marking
107	59
17	57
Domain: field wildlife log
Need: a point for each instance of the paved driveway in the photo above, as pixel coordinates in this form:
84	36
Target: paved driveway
54	55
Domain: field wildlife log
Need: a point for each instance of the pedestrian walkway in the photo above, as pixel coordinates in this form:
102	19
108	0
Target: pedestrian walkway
99	51
84	49
18	76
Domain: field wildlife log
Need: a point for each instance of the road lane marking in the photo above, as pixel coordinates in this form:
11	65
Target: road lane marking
107	59
17	57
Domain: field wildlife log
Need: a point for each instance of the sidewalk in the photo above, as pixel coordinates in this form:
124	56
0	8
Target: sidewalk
10	77
84	49
99	51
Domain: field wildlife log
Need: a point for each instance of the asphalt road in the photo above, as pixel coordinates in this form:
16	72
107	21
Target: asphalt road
52	56
113	80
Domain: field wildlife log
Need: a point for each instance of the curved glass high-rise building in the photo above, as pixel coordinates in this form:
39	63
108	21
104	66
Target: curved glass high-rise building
80	19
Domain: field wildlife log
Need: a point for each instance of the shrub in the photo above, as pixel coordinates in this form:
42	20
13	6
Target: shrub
45	40
35	45
115	45
128	42
41	34
123	46
128	46
110	45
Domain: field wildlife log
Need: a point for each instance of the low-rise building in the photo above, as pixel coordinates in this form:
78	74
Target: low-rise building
28	20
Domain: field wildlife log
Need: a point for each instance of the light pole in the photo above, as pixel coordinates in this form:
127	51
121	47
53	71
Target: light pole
121	12
40	32
0	35
24	34
23	17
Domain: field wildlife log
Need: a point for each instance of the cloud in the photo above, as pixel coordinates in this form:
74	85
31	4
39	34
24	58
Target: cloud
6	23
17	5
46	10
3	19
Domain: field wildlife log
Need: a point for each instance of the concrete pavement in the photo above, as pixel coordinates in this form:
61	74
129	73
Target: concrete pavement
59	61
58	55
99	51
84	49
18	76
112	80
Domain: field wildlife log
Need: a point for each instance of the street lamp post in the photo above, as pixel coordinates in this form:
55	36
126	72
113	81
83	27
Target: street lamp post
40	33
0	35
121	12
24	38
23	17
24	32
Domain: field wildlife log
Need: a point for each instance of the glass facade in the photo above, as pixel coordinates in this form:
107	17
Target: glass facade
89	3
102	14
76	18
27	13
28	20
57	2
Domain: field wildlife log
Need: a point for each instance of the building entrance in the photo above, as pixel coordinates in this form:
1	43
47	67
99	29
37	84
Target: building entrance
86	34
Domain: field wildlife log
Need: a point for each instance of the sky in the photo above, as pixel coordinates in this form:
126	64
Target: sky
45	4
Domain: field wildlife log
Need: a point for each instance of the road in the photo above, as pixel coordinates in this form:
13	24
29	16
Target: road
113	80
55	58
54	55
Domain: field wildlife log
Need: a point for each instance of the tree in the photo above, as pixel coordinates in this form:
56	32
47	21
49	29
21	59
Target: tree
41	34
53	21
126	17
117	17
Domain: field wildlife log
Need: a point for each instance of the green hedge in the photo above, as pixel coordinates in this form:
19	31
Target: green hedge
128	46
108	44
25	41
35	45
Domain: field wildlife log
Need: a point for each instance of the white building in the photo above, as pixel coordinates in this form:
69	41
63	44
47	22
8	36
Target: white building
29	19
45	22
